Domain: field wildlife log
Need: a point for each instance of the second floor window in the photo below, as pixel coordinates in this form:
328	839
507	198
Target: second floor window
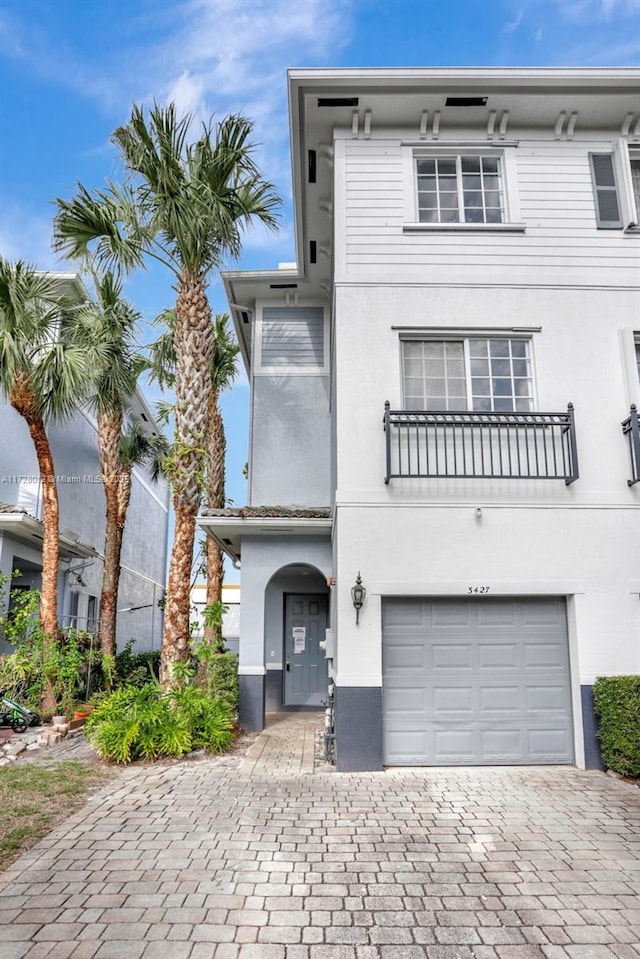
460	189
483	374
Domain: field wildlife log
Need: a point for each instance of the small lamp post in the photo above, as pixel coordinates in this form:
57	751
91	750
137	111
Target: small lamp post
358	593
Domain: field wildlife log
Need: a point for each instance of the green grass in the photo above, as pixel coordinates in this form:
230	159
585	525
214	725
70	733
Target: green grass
34	798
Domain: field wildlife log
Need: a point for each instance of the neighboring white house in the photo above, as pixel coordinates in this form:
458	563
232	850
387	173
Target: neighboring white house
82	521
230	618
441	398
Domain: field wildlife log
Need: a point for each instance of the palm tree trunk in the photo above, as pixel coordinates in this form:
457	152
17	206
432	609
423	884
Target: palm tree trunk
175	638
216	449
23	400
109	429
194	343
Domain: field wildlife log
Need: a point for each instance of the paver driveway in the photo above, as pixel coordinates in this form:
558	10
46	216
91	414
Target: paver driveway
263	858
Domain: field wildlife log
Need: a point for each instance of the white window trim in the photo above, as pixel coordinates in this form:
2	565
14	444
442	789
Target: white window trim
622	154
628	340
512	217
457	336
261	370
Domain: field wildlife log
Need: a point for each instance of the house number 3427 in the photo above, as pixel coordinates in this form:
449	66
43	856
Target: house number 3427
478	589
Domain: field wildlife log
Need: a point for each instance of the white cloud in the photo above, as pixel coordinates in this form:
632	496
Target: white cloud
187	94
513	25
25	235
598	11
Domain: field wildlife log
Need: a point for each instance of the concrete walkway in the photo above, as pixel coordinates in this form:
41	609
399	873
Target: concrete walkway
262	856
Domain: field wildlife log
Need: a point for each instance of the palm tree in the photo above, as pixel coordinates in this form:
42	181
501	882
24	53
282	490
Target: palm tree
43	374
223	372
184	204
110	322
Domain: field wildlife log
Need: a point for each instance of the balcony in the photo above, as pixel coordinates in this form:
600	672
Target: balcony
631	428
532	446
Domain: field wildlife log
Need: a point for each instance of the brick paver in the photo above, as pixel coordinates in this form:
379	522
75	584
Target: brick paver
266	857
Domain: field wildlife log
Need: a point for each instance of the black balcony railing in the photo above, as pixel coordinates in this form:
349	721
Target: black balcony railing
631	428
481	445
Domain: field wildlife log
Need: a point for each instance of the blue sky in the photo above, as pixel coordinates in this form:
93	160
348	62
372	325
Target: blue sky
70	69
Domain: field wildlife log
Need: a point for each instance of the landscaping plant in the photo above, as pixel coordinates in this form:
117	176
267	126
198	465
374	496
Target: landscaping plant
617	704
136	723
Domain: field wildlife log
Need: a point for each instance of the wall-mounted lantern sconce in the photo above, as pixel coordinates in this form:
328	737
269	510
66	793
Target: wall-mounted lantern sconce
358	593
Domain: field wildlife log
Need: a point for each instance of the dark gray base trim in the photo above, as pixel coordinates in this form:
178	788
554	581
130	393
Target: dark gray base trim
358	727
592	756
274	690
252	702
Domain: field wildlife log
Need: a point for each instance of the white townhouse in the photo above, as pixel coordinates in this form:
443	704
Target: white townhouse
443	401
82	520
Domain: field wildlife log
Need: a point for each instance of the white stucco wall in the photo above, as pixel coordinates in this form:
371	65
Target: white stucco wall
262	558
423	537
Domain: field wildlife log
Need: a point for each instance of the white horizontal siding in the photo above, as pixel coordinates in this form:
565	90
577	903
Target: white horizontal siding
556	204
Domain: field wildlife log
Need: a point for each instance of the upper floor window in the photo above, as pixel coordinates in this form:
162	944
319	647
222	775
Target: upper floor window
616	187
460	189
489	374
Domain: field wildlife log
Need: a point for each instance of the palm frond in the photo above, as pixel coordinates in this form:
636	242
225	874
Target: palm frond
30	306
224	366
138	448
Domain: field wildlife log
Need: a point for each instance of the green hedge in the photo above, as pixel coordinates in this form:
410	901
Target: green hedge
617	705
223	679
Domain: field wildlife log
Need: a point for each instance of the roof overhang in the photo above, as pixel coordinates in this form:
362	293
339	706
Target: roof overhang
228	531
28	530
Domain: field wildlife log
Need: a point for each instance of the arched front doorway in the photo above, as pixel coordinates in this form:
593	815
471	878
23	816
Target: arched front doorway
296	619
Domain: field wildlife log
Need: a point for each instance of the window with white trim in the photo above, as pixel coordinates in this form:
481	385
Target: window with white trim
460	189
615	176
486	374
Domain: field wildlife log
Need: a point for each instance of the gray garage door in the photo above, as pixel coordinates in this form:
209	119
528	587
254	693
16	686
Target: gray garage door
476	681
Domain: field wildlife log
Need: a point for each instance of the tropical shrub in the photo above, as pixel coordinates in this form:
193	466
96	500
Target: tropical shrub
135	669
136	723
69	668
617	705
222	679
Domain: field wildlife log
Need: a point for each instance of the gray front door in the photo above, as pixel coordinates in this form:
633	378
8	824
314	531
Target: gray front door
305	676
476	681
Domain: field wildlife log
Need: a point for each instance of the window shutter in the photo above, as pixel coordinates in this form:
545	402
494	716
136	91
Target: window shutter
292	337
605	191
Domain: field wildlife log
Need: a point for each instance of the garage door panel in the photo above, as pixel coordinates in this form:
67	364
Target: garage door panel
454	745
498	656
454	656
502	615
500	699
544	699
453	699
408	614
548	745
405	699
408	745
407	655
481	681
546	613
501	744
450	614
545	656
